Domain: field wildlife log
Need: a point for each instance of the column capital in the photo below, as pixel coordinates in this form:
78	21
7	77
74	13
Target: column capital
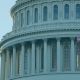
14	45
22	43
58	38
33	41
7	48
45	39
72	38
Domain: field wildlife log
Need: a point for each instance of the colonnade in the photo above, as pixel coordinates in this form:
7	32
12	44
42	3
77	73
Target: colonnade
31	65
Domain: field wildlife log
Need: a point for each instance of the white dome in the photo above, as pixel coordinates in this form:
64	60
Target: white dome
43	42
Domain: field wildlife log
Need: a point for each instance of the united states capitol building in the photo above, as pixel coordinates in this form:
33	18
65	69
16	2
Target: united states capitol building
43	42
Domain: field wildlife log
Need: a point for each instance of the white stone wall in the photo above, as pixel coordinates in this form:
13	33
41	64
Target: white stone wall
57	29
31	5
53	77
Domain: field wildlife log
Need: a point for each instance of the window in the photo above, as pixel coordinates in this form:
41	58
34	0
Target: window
25	62
78	56
55	12
16	19
22	19
78	11
28	17
66	11
42	58
18	63
66	57
54	57
36	15
45	13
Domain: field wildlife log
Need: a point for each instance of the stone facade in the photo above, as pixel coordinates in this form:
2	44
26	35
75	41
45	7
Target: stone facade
43	41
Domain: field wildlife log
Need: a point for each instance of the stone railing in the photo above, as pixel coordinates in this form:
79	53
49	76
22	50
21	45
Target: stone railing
56	25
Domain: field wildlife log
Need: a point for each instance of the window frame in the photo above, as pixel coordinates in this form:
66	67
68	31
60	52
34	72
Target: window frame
28	17
69	56
36	17
77	45
54	12
54	46
66	6
41	69
45	18
78	11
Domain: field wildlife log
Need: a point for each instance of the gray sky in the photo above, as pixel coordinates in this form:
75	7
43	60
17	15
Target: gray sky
5	18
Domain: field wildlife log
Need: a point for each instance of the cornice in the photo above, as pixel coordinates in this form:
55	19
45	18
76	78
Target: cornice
38	32
42	28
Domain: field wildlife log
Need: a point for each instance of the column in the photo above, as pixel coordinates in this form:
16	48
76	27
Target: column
45	55
72	55
29	61
20	19
61	12
14	23
22	59
2	65
38	64
11	66
31	16
7	63
14	61
72	16
49	12
39	14
33	57
24	17
58	56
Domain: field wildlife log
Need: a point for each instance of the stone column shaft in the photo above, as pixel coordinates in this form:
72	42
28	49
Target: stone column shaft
11	66
14	61
2	65
72	55
45	55
22	59
7	63
58	56
33	57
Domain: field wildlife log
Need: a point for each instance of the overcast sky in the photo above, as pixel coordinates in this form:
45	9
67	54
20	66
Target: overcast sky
5	18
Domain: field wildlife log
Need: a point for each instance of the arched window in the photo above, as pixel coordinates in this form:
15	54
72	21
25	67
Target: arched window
66	57
22	19
55	12
16	19
28	17
42	58
78	11
18	62
54	57
78	56
66	11
36	15
45	13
